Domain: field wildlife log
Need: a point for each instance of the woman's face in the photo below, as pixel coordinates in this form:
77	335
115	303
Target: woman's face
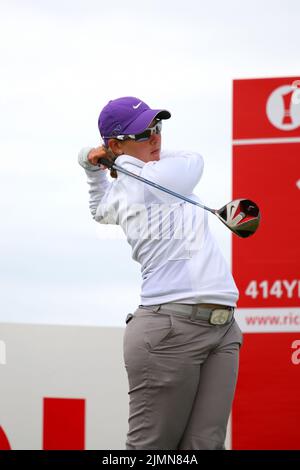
147	151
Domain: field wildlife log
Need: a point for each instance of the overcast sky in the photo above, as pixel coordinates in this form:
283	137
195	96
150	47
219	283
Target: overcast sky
61	61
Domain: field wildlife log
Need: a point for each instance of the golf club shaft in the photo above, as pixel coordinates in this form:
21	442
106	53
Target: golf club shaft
106	162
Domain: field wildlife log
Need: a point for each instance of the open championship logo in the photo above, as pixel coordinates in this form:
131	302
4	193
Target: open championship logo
283	107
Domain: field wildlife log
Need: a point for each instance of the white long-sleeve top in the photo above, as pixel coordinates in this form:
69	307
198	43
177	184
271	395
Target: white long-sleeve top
180	260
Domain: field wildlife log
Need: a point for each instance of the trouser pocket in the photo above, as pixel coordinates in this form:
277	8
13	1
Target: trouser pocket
158	329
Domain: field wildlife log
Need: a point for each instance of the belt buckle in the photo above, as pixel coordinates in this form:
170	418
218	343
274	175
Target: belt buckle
220	316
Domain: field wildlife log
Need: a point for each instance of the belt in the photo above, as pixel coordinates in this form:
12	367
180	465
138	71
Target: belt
214	315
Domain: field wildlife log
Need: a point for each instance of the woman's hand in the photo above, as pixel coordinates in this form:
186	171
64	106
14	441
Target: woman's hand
99	152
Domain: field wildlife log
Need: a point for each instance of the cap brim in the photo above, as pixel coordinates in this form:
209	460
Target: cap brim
144	119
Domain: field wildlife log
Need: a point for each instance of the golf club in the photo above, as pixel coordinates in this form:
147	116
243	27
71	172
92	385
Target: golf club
241	216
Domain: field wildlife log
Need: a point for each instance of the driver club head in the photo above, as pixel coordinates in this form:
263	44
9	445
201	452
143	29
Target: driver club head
241	216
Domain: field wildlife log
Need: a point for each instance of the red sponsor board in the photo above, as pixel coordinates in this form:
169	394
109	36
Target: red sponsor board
4	442
64	424
266	410
266	267
266	108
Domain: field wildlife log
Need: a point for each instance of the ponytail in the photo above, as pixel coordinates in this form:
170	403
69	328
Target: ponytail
111	157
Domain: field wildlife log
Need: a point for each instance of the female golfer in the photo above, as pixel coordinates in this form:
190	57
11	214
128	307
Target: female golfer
181	345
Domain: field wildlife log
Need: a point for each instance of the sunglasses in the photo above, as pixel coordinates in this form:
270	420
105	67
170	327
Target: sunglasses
143	136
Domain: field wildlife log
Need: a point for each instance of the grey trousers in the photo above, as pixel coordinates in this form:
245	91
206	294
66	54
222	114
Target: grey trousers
182	375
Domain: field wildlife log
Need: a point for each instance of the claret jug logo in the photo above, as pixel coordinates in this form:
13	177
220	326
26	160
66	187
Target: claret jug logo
283	107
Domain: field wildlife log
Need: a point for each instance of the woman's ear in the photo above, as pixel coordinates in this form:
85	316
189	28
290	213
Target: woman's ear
115	146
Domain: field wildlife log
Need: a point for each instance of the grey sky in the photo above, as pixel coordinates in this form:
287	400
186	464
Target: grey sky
61	61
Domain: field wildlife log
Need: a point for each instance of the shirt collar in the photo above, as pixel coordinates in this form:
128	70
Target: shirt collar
129	159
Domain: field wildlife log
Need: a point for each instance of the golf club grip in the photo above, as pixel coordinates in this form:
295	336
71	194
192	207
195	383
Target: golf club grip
106	162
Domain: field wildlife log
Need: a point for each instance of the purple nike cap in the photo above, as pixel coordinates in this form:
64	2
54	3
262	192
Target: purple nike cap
127	115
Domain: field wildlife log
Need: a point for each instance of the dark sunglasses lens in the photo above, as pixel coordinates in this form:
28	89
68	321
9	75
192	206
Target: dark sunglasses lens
143	136
147	133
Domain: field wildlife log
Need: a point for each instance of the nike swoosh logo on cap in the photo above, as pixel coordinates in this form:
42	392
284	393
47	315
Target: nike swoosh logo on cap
137	105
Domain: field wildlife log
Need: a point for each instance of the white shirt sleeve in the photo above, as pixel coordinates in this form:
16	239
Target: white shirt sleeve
97	181
179	171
